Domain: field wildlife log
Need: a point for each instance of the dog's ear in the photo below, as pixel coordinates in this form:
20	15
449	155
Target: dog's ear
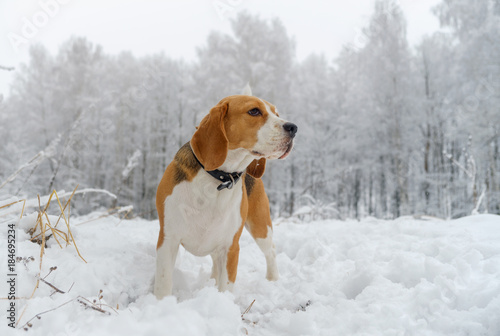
209	142
257	168
247	90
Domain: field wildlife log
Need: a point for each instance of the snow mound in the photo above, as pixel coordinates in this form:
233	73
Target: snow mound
373	277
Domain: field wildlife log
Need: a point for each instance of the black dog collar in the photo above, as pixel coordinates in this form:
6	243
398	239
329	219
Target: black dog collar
228	179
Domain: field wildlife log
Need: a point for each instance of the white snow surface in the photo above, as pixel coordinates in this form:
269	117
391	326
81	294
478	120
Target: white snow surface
368	277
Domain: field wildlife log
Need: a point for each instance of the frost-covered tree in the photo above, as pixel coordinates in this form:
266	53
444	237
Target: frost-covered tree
378	116
474	98
316	111
384	130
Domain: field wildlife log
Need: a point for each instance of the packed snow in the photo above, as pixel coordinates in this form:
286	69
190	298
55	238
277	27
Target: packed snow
371	277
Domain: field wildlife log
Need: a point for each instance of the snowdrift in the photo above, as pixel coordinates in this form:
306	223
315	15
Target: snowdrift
373	277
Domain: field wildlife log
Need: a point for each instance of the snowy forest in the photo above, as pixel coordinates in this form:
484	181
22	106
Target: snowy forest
385	129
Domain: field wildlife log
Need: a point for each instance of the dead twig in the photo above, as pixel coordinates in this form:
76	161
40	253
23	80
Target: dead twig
304	306
97	307
6	68
244	319
53	268
28	324
52	286
248	309
80	299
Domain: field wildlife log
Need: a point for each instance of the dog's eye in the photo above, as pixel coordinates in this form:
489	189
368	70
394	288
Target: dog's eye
254	112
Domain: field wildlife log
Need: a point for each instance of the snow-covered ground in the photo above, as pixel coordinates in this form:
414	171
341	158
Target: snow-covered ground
373	277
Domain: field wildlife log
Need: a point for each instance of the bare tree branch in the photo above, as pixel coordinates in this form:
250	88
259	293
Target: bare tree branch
7	68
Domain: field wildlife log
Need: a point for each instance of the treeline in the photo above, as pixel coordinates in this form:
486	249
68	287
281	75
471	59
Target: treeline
384	130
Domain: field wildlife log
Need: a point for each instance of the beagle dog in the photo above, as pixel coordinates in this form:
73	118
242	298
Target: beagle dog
212	189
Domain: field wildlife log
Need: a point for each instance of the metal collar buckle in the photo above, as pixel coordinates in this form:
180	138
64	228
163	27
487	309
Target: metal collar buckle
227	184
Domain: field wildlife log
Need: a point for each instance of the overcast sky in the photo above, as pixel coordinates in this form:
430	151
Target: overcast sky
178	27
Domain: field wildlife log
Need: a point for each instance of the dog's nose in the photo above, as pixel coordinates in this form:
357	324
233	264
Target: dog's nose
291	128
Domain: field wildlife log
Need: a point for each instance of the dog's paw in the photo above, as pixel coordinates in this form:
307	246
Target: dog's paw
272	275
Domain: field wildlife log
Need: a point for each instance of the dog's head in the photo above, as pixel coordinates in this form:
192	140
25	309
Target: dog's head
247	122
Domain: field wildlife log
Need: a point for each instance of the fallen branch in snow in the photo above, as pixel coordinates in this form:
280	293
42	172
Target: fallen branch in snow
32	203
113	211
7	68
426	217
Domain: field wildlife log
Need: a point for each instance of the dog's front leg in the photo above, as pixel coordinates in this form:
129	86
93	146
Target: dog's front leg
219	269
215	267
165	262
224	268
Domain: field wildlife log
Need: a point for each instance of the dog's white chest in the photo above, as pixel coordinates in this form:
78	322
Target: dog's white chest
201	217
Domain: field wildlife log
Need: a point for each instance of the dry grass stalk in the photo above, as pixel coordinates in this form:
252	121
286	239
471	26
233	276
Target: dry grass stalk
43	216
38	316
66	220
244	319
8	205
248	309
42	237
64	208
